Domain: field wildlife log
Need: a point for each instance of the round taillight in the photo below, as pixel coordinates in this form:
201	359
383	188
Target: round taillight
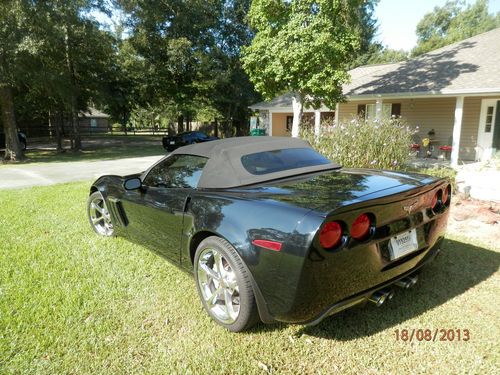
446	194
330	235
361	227
435	201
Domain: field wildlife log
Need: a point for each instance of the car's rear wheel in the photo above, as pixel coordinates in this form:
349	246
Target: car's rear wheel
224	285
98	215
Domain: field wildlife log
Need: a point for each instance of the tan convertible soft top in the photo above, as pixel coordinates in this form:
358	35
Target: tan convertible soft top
224	168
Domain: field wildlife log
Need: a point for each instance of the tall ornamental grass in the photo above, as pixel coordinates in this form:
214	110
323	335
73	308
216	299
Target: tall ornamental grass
360	143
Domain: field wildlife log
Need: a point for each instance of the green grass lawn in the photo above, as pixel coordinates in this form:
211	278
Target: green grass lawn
103	147
71	302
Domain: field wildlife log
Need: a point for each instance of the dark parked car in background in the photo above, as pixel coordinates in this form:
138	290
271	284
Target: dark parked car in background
21	137
274	231
170	143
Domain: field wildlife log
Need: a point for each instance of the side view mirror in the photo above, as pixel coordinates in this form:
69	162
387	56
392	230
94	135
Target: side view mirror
132	183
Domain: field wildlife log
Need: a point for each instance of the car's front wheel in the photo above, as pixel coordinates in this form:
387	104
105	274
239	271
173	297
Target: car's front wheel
224	285
98	215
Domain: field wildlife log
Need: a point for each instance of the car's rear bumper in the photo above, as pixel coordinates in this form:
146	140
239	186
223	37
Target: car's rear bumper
366	294
307	288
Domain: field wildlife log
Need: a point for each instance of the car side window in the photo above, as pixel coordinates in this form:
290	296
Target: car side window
177	171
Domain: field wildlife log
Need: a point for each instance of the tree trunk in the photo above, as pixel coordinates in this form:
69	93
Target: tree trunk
13	149
76	141
216	128
180	124
58	126
124	122
297	114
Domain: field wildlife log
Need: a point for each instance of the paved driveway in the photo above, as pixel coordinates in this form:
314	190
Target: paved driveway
20	176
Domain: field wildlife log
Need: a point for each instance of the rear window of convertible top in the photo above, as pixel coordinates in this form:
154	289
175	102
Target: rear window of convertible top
281	160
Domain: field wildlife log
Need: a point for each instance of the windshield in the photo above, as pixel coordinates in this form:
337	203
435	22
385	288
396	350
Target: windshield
281	160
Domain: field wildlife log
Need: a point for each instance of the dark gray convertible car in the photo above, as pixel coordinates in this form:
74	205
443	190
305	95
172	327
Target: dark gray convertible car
274	231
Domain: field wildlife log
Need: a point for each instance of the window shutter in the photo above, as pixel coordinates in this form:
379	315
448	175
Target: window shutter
396	109
496	129
361	109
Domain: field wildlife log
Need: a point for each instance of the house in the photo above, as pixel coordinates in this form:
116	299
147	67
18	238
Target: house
453	91
44	125
93	121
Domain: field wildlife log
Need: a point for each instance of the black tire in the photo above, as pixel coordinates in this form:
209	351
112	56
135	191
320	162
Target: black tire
99	217
248	314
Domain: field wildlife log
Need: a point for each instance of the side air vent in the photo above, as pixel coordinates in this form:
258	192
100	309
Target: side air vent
117	211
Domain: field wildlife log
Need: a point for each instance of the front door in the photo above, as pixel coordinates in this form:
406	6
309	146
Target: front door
155	212
155	219
489	129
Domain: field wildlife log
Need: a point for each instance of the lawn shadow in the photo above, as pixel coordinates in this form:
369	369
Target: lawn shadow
459	267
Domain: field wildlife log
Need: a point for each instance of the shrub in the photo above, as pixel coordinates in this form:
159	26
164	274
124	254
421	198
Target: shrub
116	127
383	144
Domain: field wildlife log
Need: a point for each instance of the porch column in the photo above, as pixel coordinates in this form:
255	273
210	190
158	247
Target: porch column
378	109
337	113
317	123
457	130
270	127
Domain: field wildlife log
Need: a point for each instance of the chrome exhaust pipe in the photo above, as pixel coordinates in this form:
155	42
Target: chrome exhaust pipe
407	282
380	297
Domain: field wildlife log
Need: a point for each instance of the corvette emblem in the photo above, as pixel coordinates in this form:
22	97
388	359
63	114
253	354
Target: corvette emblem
409	208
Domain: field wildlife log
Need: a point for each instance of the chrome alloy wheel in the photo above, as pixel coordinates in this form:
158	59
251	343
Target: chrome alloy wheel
99	216
218	286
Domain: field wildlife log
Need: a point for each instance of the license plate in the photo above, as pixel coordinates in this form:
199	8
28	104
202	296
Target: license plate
172	142
403	244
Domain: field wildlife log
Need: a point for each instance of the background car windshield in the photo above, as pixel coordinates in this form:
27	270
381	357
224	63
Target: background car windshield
282	160
200	135
177	171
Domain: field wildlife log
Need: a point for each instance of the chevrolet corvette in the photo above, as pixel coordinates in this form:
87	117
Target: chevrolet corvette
273	231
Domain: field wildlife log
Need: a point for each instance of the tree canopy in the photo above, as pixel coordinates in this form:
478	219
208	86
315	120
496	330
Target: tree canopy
452	22
303	47
166	61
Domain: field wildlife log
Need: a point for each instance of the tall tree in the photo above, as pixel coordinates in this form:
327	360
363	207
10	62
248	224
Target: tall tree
17	43
54	58
190	53
452	22
231	90
83	55
172	39
303	47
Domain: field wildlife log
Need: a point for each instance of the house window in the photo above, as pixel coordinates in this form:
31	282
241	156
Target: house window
489	119
388	110
93	123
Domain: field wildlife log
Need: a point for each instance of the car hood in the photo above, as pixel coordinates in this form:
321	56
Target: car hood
329	190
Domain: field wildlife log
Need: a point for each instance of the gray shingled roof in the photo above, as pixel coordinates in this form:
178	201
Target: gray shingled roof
93	113
469	66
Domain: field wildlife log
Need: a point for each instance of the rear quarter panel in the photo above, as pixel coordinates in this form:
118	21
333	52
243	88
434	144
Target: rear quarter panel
240	221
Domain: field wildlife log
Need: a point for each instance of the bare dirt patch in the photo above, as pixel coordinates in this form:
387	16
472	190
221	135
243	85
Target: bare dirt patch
478	220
